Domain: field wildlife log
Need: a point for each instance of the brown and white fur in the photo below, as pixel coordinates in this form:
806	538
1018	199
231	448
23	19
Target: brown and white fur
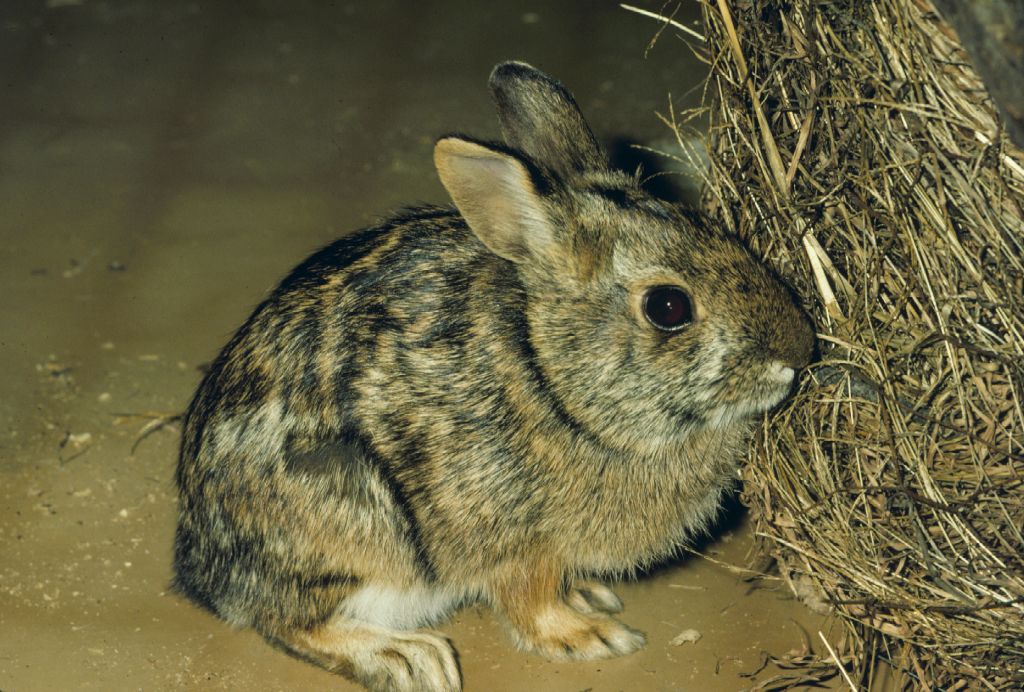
468	404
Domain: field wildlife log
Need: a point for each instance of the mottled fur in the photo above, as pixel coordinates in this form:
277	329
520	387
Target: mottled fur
431	412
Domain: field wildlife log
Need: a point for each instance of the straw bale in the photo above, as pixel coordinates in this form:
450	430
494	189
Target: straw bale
853	146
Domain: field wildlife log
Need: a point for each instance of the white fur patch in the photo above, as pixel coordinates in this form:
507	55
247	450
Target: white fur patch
400	608
781	373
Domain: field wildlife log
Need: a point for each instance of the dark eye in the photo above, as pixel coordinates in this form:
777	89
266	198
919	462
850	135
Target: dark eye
668	307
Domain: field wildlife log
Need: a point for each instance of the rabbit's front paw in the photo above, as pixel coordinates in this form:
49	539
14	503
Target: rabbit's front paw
416	662
589	597
562	634
379	658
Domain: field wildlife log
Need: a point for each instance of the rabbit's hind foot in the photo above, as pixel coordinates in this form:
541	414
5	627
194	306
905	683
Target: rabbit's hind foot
379	658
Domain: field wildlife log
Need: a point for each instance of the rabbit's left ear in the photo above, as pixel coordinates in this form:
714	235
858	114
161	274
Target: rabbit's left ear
495	193
539	117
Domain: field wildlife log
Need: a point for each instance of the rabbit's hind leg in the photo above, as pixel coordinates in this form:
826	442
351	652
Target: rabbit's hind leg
378	657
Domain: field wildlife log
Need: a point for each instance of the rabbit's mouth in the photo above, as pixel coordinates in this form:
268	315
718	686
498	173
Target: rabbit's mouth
770	390
783	377
782	373
765	394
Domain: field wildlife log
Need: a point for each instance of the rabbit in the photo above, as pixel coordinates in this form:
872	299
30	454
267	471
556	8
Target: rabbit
500	402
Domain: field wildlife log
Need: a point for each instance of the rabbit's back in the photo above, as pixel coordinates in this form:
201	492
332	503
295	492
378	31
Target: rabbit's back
285	501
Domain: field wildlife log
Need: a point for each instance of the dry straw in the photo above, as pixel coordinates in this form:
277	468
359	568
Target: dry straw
853	146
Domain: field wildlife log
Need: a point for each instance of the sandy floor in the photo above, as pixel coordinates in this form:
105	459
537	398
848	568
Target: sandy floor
161	166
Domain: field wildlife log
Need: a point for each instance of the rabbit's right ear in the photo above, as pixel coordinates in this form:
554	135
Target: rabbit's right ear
495	193
539	117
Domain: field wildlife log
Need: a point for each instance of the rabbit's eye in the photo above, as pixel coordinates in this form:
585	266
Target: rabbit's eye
668	308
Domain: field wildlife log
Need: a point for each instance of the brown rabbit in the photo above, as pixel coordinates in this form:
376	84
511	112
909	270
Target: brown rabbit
496	402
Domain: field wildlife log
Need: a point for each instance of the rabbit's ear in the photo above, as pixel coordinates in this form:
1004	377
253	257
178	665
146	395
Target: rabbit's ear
540	118
495	193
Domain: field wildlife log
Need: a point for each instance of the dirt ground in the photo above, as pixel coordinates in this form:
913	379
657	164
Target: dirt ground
162	165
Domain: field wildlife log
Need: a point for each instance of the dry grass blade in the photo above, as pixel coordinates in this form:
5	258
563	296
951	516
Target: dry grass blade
155	421
667	20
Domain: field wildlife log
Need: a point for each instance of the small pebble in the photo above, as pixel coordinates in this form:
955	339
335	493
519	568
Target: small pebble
686	637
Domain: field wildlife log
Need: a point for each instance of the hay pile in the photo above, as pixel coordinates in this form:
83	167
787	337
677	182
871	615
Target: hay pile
855	148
